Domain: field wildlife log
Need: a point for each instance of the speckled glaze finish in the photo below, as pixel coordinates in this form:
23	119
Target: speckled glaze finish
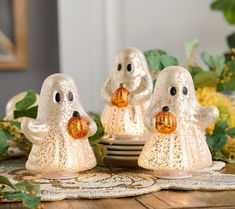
186	148
55	154
127	122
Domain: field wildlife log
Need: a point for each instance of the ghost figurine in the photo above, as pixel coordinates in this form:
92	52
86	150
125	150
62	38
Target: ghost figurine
126	92
60	133
177	143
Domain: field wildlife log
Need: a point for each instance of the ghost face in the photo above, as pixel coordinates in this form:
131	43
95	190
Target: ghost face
129	66
58	99
174	91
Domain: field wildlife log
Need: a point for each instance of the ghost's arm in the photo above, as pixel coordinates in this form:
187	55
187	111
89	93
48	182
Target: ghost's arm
143	92
92	125
106	92
206	116
34	130
150	119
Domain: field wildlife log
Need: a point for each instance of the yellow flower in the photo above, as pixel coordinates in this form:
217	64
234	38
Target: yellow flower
208	96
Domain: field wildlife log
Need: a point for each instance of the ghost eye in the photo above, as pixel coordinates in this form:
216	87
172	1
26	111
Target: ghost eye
173	91
57	97
185	91
70	96
119	67
129	67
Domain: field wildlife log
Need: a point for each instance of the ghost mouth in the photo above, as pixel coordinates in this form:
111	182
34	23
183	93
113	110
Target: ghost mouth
166	121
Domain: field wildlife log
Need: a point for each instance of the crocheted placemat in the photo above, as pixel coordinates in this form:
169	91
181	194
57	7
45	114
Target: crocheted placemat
103	182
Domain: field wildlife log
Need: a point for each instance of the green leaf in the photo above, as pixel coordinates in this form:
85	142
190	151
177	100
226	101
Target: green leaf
5	181
231	40
4	134
3	147
215	63
220	127
27	101
222	5
219	142
230	15
16	124
210	141
230	85
167	60
227	7
27	187
205	78
158	59
190	45
30	201
194	70
231	66
30	113
100	129
231	132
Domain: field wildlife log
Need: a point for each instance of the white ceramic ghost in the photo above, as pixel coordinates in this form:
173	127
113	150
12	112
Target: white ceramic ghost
55	153
130	69
176	154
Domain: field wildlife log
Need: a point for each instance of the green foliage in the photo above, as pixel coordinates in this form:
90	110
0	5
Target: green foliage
205	78
219	139
27	101
100	130
25	108
231	40
30	113
23	191
227	7
158	59
9	130
214	62
5	136
190	45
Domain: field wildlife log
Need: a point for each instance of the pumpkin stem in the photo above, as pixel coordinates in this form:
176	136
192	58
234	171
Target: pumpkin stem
121	84
76	114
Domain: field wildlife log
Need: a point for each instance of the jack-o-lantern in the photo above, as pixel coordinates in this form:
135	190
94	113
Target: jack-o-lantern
120	97
166	122
78	126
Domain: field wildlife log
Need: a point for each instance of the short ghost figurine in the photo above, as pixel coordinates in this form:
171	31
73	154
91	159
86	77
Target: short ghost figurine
60	133
177	144
126	92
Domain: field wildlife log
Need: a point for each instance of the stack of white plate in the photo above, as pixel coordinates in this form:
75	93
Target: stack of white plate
122	153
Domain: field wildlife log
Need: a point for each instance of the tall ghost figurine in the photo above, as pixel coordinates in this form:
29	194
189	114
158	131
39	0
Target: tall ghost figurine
177	123
126	93
60	133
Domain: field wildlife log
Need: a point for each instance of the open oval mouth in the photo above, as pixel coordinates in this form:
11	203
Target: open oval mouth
166	122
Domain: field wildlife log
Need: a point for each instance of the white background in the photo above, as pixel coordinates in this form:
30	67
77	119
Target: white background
91	32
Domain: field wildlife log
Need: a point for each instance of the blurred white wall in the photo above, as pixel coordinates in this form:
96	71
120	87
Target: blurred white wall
91	32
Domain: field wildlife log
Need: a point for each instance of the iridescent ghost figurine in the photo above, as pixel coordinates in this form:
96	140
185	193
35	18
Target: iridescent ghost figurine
126	92
177	144
60	133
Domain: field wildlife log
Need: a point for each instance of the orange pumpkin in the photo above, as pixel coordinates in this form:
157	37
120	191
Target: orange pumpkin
166	122
120	97
78	126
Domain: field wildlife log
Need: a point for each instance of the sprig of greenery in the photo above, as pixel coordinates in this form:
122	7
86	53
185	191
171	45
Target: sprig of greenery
158	59
23	191
219	139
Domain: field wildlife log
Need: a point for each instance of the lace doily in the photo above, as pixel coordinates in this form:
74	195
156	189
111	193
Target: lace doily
109	182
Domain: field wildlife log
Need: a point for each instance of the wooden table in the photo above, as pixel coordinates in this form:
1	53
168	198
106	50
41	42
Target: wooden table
161	199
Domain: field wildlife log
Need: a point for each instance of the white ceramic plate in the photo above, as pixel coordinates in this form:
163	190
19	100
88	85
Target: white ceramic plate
116	147
128	152
121	157
123	142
